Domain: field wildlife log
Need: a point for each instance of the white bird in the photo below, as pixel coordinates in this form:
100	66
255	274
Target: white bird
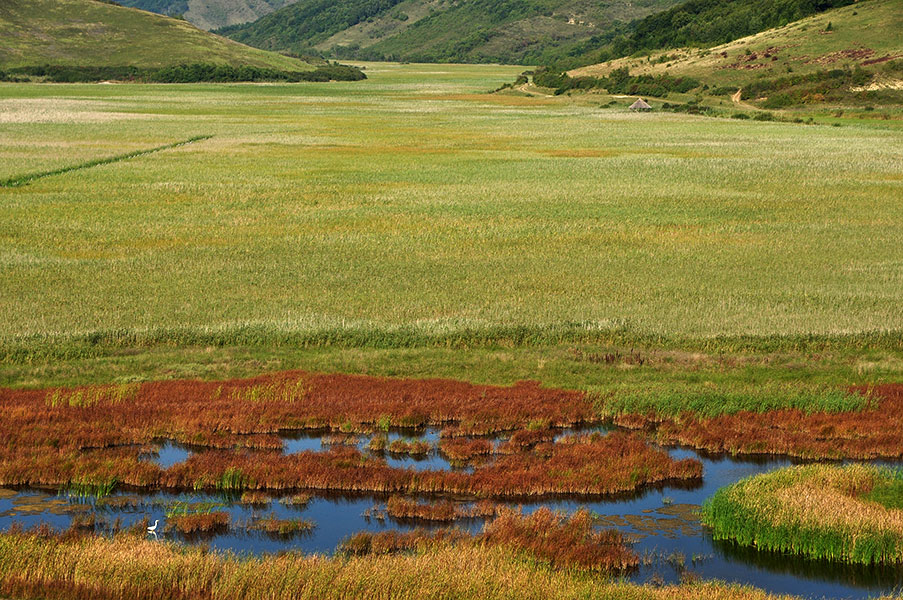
153	528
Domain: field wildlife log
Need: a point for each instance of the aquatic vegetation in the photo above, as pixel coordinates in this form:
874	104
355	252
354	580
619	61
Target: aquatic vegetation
400	507
340	439
377	443
464	449
42	564
411	447
273	525
194	523
563	541
525	439
255	499
91	489
872	432
591	465
54	445
296	500
820	511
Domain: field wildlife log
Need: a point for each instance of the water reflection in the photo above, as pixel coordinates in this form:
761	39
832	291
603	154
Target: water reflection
661	521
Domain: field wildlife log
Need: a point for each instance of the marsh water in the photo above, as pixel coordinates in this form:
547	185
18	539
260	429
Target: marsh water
661	522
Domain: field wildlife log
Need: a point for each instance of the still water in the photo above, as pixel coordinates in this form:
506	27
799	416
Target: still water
661	522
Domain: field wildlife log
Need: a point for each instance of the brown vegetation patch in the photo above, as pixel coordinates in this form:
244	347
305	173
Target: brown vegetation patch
524	440
590	465
94	436
400	507
881	59
564	542
410	447
464	449
199	523
875	432
848	54
273	526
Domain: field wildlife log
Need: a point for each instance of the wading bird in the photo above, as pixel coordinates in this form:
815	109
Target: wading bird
153	528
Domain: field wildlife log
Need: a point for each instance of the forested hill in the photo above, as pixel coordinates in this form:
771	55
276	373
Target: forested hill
698	23
210	14
507	31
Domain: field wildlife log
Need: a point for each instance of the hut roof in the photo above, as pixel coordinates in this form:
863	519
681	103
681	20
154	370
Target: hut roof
640	104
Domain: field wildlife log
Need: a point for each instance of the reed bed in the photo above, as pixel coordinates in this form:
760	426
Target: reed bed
281	528
296	500
826	512
199	523
248	412
876	431
255	499
600	465
590	465
400	507
58	443
340	439
48	566
524	440
464	449
563	541
410	447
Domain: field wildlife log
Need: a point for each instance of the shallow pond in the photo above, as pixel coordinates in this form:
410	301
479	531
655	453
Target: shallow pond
662	522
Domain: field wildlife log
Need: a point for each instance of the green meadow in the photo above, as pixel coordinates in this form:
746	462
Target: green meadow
412	224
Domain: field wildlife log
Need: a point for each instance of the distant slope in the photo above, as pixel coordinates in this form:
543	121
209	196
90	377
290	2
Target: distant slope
211	14
511	31
89	33
865	35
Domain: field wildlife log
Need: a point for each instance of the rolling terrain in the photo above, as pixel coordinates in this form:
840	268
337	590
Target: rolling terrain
506	31
211	14
865	35
89	33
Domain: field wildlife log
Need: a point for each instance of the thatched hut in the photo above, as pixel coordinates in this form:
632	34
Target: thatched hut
640	104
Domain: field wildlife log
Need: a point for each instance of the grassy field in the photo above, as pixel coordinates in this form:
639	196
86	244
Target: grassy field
412	225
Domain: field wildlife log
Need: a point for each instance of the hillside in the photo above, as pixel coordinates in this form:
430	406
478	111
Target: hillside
704	23
211	14
506	31
90	33
862	40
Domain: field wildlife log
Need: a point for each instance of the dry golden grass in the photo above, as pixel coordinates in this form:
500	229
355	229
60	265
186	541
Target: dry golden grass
47	567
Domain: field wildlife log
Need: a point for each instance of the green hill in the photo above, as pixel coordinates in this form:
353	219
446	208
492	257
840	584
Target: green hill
507	31
90	33
850	53
211	14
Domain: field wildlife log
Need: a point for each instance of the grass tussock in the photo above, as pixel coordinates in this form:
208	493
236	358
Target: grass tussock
410	447
281	528
255	499
400	507
562	542
464	449
847	514
199	523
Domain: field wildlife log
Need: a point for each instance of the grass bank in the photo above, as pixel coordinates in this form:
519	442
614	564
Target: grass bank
48	567
846	514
